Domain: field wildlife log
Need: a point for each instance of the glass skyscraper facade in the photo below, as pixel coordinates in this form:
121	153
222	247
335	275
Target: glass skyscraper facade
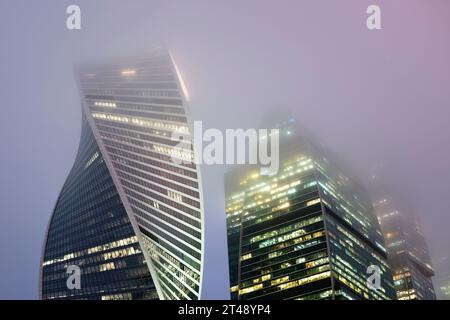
442	283
130	214
307	232
90	228
407	252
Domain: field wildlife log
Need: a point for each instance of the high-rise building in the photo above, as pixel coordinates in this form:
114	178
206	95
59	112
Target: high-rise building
442	284
306	232
444	288
129	216
408	253
441	280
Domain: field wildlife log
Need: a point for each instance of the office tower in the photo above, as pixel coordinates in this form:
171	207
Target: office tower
408	254
129	215
306	232
444	289
441	280
442	284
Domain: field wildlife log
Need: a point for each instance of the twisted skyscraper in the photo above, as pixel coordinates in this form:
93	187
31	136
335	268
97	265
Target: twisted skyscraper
129	216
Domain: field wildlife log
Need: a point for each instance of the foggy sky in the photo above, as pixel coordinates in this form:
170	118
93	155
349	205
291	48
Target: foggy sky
378	98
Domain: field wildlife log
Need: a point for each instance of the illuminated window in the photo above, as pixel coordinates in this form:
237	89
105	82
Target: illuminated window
251	289
246	256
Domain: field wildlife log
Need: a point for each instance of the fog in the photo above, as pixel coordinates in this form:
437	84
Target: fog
380	99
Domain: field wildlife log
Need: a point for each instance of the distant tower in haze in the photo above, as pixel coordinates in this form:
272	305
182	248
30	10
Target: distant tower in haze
408	253
307	232
128	216
442	278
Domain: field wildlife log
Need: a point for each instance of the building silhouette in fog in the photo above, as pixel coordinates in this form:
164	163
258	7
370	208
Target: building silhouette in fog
442	279
307	232
408	253
128	216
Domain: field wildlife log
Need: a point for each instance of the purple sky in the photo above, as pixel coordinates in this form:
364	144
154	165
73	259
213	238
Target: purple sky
376	97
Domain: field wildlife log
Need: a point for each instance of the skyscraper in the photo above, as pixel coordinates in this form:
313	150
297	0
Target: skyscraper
129	216
408	253
442	284
307	232
441	280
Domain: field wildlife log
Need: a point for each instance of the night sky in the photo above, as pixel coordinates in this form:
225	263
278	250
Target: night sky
379	99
